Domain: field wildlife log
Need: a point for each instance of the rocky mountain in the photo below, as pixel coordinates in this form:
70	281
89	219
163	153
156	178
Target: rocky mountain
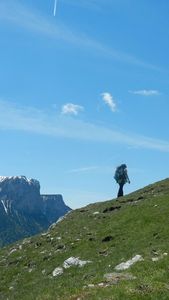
23	211
54	207
111	250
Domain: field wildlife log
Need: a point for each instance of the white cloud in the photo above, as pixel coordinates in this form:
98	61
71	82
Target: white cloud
28	119
71	109
31	20
108	99
145	92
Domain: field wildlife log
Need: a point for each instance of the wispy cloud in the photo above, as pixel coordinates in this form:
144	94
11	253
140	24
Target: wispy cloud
103	169
146	93
28	119
83	169
31	20
109	100
71	109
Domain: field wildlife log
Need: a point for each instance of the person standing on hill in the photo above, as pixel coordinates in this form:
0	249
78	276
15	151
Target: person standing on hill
121	178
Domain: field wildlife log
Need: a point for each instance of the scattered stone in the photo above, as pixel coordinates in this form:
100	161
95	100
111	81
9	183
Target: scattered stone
60	247
47	257
91	239
140	198
37	245
156	235
114	278
44	233
58	271
59	220
128	201
26	241
159	257
145	288
111	208
103	252
43	252
108	238
51	227
31	265
129	263
74	261
91	285
12	251
155	252
155	258
101	284
30	270
96	213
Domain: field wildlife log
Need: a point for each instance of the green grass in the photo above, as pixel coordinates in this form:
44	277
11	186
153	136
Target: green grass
139	226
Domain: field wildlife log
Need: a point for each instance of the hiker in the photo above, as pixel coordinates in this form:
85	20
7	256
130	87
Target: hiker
121	178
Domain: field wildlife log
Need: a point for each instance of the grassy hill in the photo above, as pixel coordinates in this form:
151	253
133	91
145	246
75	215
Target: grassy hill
106	234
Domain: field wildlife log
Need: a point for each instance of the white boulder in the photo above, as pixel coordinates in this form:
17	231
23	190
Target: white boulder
128	263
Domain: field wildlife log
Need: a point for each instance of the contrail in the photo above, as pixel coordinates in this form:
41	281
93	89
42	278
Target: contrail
55	6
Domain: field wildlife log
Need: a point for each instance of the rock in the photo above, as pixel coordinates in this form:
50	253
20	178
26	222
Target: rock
60	247
155	258
129	263
91	285
112	208
12	251
101	284
74	261
58	271
114	278
159	257
30	270
92	239
107	238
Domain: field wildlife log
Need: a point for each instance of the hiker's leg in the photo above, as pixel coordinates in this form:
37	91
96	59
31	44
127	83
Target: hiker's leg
120	192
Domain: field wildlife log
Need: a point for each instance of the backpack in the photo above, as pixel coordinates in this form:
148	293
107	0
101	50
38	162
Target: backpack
120	175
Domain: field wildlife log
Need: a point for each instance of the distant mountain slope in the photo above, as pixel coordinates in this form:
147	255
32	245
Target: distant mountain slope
54	207
23	211
110	250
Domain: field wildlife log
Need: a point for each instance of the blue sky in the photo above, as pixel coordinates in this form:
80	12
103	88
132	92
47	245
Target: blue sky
83	90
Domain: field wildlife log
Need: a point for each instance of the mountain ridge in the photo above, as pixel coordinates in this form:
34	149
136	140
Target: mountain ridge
24	211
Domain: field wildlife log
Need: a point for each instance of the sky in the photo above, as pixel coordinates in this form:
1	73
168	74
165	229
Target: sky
84	87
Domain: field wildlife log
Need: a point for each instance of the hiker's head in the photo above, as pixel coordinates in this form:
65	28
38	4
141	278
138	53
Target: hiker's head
124	166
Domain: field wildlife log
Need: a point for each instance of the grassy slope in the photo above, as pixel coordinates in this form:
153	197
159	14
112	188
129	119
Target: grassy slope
139	226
